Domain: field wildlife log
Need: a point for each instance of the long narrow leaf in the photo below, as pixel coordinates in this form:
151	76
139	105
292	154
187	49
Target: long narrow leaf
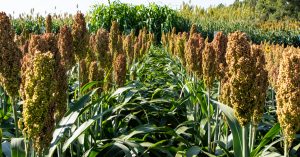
235	128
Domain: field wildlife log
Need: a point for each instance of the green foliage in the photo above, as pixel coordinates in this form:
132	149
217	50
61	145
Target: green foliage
154	17
242	17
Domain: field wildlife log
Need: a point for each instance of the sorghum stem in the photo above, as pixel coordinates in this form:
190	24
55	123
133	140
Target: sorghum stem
286	148
216	137
253	136
14	108
245	142
209	126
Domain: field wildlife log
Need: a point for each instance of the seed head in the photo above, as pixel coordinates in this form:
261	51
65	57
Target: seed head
80	36
208	65
128	48
96	73
65	46
193	30
48	24
101	47
240	69
260	83
220	45
38	109
120	70
113	37
83	72
10	57
288	93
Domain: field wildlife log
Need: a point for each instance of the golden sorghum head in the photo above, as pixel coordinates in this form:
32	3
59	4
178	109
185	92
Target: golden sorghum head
83	72
240	69
220	45
38	108
208	65
260	83
60	93
288	93
91	55
96	74
120	44
10	57
225	89
119	67
24	48
48	24
273	55
113	37
51	41
80	36
191	53
193	30
199	51
65	46
164	39
172	44
5	27
101	47
136	50
128	48
37	43
179	48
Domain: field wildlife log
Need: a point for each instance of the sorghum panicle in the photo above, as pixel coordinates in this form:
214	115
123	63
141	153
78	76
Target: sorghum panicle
260	83
65	46
191	53
80	36
48	24
180	47
10	57
193	30
288	93
113	37
208	65
101	47
220	45
119	66
38	108
128	48
240	69
96	74
83	72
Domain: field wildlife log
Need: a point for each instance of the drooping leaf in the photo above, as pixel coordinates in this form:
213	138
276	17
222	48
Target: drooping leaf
17	147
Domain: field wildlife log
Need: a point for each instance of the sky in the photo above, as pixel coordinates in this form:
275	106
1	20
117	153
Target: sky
15	7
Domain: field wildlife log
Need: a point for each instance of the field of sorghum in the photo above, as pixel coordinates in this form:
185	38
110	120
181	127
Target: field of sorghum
70	91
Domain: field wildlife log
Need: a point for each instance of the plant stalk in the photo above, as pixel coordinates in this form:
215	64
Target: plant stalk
245	142
209	126
252	136
216	136
286	148
226	135
14	108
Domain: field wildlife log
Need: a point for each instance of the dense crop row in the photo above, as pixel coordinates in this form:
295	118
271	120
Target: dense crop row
68	91
158	19
243	71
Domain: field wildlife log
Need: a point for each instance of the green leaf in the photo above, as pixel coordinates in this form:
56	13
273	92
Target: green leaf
121	90
82	128
268	137
235	128
17	147
223	147
68	121
193	151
